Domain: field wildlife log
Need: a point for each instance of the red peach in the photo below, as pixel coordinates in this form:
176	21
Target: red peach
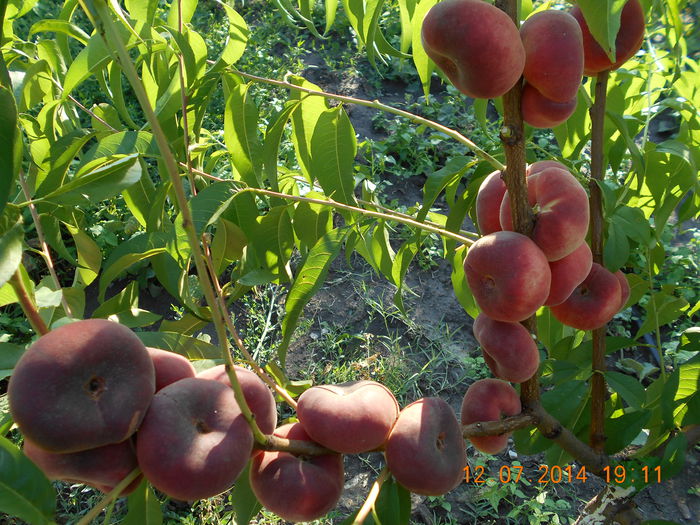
567	273
593	303
258	396
351	417
489	400
561	211
425	451
625	290
542	112
488	203
194	441
508	275
169	367
553	54
540	165
476	45
628	41
509	350
83	385
297	488
102	468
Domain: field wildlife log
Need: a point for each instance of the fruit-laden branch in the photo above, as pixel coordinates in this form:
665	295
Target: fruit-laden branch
28	306
375	104
512	137
598	388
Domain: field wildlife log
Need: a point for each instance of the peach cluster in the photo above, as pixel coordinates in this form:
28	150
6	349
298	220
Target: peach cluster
479	49
93	403
511	276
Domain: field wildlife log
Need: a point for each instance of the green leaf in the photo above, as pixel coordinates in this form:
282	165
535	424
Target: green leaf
437	181
113	271
144	507
662	308
190	347
304	120
139	196
333	150
245	504
9	355
91	59
622	430
142	11
188	8
688	394
241	136
237	38
227	245
603	20
60	26
393	506
460	286
126	299
628	387
307	282
273	241
137	248
98	180
11	237
312	221
424	65
331	7
89	256
8	140
24	490
617	248
273	136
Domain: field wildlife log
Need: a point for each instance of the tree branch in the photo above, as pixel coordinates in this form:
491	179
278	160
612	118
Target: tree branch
598	387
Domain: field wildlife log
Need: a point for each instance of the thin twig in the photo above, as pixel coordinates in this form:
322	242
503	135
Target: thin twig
371	497
46	253
375	104
28	307
379	215
109	497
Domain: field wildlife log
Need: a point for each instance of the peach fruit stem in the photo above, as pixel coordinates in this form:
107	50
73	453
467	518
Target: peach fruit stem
293	446
100	15
483	155
369	503
109	497
28	307
598	387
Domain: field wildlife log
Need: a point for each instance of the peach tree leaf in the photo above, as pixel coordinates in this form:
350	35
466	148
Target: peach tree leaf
603	19
307	282
144	507
24	490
